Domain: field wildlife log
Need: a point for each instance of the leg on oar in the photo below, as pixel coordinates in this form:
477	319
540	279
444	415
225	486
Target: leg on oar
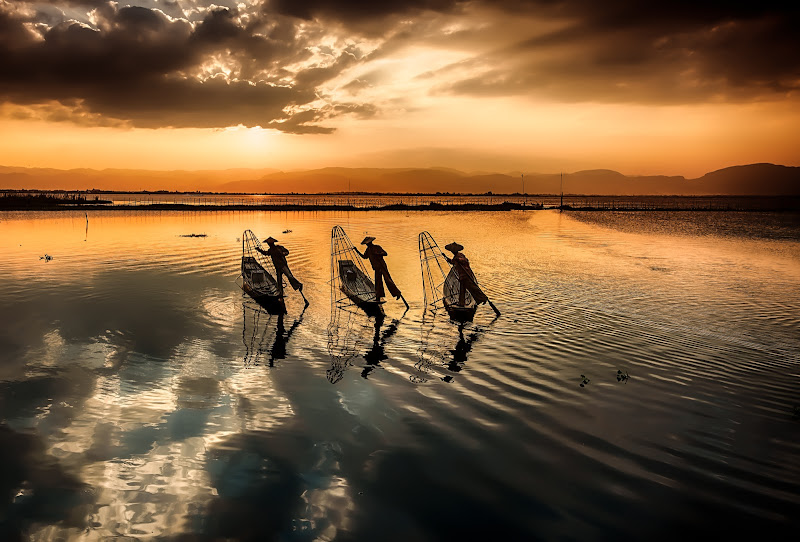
497	312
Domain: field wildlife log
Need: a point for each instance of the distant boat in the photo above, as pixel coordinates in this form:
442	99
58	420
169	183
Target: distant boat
257	280
349	276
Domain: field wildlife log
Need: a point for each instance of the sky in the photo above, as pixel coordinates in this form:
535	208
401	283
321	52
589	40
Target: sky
676	88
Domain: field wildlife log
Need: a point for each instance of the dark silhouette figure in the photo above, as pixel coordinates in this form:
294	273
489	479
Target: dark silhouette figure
255	332
375	253
466	277
462	349
376	354
435	350
282	335
278	255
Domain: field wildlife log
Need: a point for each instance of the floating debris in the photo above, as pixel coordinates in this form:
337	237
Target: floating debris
287	231
622	376
195	235
584	380
46	257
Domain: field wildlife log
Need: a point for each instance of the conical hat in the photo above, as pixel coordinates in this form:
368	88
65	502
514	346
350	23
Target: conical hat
367	239
453	247
270	240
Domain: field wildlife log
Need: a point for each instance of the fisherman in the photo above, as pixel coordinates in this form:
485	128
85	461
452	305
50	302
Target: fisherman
278	255
466	277
375	253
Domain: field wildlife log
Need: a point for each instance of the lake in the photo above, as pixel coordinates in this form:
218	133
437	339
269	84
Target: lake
643	381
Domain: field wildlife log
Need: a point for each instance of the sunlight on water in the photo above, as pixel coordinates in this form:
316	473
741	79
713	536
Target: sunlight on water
646	365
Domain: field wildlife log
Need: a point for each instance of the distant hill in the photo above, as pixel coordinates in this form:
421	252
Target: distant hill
763	179
121	179
756	179
753	179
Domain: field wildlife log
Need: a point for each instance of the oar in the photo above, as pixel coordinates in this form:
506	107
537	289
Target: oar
406	302
304	297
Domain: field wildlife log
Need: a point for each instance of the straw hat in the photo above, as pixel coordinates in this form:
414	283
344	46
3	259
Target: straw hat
454	247
270	240
368	239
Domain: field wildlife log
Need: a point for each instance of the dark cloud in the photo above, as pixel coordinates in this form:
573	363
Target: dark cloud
676	52
196	64
348	10
140	66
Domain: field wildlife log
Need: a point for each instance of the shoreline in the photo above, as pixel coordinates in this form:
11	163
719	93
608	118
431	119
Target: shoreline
438	207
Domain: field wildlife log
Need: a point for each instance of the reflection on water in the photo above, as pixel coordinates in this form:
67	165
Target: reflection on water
377	350
348	331
444	346
265	334
142	395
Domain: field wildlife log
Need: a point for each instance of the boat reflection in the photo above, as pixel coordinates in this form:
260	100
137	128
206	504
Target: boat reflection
348	332
262	328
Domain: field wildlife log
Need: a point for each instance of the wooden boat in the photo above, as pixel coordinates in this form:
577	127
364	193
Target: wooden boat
257	281
349	276
355	284
440	282
450	289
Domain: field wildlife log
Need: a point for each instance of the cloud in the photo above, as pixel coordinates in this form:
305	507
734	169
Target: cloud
292	65
680	52
140	66
358	10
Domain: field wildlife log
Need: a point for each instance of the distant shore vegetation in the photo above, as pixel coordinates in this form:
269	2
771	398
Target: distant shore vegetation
164	200
18	200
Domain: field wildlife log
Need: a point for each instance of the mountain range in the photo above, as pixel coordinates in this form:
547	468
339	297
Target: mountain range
752	179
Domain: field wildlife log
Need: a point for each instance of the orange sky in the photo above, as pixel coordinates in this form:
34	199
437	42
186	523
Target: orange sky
498	86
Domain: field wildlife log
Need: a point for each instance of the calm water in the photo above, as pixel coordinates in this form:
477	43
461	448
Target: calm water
143	396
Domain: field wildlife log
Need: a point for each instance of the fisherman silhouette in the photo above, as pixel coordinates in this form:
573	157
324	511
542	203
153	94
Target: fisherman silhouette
375	253
466	277
278	255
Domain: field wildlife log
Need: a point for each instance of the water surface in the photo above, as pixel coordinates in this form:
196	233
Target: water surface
142	395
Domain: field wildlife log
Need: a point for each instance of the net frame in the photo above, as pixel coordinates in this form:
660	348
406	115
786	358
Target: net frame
250	244
440	284
342	250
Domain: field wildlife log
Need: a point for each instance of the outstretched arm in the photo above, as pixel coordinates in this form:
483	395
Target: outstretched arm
362	254
262	251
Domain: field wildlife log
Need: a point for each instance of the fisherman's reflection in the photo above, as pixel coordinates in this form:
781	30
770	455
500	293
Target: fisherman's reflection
376	354
255	340
346	334
349	333
459	353
435	355
282	335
